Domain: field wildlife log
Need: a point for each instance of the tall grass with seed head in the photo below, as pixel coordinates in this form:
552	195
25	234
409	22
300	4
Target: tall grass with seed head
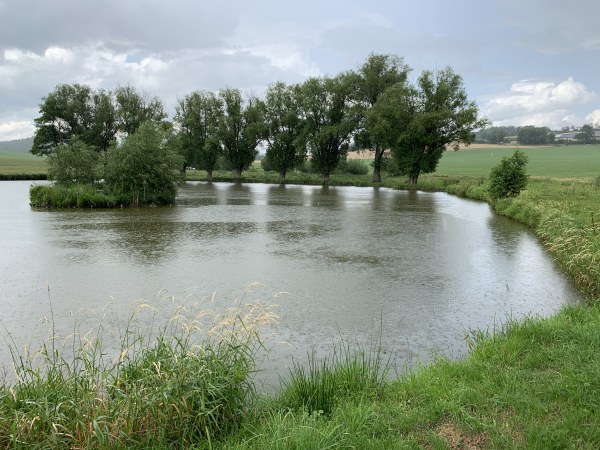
187	383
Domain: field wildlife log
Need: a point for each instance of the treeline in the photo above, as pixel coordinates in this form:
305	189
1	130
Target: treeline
89	134
531	135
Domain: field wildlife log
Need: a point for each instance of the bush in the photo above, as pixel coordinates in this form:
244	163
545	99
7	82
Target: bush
266	166
509	177
73	163
390	166
306	167
223	164
144	169
352	167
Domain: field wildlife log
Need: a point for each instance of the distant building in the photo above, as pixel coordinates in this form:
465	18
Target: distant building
571	136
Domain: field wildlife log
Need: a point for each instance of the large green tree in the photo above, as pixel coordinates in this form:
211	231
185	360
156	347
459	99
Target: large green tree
376	75
433	114
134	108
331	118
285	126
241	129
199	115
104	124
586	134
92	116
531	135
144	168
64	113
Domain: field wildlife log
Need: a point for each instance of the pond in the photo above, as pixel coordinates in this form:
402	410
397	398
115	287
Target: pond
421	269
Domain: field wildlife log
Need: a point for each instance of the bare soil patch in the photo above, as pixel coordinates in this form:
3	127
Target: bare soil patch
459	440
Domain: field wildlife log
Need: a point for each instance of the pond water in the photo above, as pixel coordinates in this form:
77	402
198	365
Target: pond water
420	268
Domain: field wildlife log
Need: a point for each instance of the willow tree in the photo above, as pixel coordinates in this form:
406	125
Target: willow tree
378	73
421	121
65	113
331	119
241	129
285	127
134	108
198	115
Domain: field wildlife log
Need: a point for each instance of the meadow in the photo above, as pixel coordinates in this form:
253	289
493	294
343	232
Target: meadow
532	384
21	165
554	161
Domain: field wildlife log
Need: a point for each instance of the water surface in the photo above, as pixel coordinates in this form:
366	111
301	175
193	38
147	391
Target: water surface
424	267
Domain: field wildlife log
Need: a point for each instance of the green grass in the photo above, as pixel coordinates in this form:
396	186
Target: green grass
188	384
556	161
12	164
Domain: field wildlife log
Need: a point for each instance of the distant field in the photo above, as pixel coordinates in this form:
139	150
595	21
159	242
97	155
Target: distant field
21	163
560	162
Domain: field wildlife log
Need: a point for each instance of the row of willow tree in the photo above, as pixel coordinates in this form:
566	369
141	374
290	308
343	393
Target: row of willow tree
374	107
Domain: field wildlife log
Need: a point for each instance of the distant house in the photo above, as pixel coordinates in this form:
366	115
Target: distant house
565	137
571	136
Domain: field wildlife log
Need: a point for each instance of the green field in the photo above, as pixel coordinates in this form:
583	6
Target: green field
21	164
557	162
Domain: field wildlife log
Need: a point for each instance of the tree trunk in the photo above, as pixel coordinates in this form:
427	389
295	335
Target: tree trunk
282	173
377	164
209	175
237	172
325	178
412	179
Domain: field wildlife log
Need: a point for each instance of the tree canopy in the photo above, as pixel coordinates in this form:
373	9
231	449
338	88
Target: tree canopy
199	115
285	128
241	128
377	74
331	119
530	135
420	121
93	116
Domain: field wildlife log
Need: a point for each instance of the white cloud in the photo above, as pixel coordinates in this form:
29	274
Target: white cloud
58	54
15	129
14	55
540	103
593	118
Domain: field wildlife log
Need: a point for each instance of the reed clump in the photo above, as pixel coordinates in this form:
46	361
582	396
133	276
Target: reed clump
317	385
186	383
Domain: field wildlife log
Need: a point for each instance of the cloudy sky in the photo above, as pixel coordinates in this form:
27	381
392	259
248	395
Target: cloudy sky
525	62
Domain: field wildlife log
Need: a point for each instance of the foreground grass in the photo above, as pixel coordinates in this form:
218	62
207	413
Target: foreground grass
534	384
188	383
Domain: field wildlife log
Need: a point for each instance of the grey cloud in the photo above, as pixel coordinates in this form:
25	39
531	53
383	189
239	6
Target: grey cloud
151	24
